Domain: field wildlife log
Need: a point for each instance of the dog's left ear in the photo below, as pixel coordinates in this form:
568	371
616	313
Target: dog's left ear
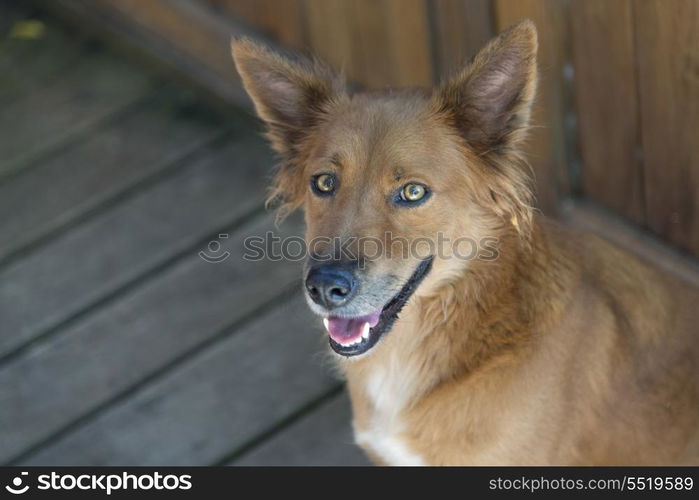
489	101
290	96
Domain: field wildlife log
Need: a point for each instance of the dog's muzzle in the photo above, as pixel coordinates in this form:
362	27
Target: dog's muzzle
333	285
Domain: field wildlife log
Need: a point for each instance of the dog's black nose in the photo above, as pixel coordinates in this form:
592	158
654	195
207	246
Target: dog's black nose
330	285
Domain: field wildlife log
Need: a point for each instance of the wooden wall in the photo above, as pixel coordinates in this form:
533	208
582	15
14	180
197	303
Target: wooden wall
637	87
617	117
616	123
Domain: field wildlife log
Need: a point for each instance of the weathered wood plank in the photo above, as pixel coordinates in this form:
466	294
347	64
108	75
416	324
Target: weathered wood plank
185	35
367	25
606	99
31	60
235	389
40	120
119	345
461	28
281	20
10	13
321	438
667	43
330	38
377	43
546	144
409	44
80	177
169	20
108	251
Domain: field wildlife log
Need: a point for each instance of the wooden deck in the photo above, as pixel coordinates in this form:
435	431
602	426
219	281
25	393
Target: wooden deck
119	345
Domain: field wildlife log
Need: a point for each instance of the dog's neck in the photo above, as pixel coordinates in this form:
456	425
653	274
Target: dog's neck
491	311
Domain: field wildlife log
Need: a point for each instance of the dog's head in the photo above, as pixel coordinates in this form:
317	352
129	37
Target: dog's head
399	188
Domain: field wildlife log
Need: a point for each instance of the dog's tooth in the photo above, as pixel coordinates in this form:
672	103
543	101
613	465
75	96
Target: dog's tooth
326	324
365	331
353	342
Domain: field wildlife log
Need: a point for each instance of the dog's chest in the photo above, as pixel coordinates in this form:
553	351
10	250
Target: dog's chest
388	390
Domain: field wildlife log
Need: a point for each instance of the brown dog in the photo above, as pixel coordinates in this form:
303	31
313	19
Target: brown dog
555	348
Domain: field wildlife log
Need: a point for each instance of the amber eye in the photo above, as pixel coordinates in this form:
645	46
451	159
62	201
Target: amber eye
413	192
324	184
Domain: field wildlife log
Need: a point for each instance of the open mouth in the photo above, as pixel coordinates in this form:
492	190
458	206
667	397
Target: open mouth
354	336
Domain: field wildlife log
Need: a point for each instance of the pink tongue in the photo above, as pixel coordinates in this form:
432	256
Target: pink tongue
344	329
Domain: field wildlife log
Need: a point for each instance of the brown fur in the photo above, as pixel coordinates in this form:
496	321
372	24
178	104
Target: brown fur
564	350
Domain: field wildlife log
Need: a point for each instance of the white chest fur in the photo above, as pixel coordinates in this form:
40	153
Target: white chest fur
388	388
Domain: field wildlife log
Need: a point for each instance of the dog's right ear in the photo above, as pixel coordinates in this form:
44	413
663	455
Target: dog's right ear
289	96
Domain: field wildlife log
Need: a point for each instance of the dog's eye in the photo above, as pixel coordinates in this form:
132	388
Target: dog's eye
413	192
324	184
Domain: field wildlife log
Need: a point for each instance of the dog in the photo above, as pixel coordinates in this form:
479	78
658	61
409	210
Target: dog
563	349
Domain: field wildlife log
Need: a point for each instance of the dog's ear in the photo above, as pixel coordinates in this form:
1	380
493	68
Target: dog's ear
489	101
289	96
